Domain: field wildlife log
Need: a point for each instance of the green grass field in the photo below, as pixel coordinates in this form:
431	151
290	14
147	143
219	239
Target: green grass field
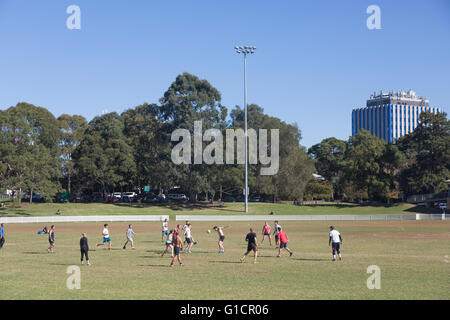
411	255
70	209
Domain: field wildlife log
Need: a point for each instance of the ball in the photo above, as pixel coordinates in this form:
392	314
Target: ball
208	231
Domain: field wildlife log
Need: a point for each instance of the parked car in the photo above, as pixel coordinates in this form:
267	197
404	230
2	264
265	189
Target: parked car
97	197
230	199
129	194
127	199
117	195
177	196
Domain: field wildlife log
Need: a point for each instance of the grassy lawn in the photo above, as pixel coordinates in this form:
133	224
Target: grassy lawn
70	209
410	254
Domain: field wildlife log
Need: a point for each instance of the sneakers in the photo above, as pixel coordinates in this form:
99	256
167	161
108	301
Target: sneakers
290	254
278	256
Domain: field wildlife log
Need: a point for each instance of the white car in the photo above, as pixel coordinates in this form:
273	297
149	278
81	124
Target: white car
177	196
130	194
443	206
117	195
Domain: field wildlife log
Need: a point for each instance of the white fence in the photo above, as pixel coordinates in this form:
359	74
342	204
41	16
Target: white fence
60	219
377	217
137	218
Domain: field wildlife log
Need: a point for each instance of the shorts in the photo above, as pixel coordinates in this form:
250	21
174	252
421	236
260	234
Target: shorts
188	240
276	237
176	251
336	246
251	247
165	232
106	240
129	240
267	234
221	238
168	243
52	242
283	245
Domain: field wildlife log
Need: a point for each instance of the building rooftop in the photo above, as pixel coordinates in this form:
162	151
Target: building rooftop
408	98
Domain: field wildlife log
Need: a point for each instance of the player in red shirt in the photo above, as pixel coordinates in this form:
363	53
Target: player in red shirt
283	238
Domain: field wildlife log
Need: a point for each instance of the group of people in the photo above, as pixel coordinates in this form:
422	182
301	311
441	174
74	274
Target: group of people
174	243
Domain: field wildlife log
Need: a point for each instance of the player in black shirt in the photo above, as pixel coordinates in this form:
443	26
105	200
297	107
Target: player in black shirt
252	245
84	247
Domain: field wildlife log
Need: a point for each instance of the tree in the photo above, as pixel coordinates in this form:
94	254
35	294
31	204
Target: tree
427	151
368	165
72	128
29	151
104	158
190	99
329	155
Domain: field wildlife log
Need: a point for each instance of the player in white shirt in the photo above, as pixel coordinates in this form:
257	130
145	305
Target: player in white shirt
335	240
165	230
106	238
188	237
129	233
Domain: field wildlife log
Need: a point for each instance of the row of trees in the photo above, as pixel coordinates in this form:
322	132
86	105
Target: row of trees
364	167
45	155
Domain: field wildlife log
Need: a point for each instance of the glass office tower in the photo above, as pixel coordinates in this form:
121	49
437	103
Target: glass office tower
390	116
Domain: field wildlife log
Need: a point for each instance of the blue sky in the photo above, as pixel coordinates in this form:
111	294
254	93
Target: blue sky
315	60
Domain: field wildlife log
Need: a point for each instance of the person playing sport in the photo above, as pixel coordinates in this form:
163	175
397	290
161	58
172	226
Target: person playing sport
283	239
106	238
221	237
165	230
130	233
275	233
169	245
177	244
335	240
252	245
188	238
2	235
266	233
84	248
51	239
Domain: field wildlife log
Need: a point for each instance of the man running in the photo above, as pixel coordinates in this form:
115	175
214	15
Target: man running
336	240
275	233
106	238
51	239
130	233
221	237
169	245
177	246
2	235
266	233
283	239
252	245
84	248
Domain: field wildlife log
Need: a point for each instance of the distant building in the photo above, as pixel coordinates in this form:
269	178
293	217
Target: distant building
390	116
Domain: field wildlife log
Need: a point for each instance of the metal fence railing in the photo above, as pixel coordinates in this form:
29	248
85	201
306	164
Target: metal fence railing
61	219
376	217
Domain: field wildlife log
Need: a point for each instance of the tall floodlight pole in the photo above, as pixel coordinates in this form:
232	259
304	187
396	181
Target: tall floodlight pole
245	50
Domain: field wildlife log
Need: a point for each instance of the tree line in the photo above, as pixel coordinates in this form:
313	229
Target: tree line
41	154
365	167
